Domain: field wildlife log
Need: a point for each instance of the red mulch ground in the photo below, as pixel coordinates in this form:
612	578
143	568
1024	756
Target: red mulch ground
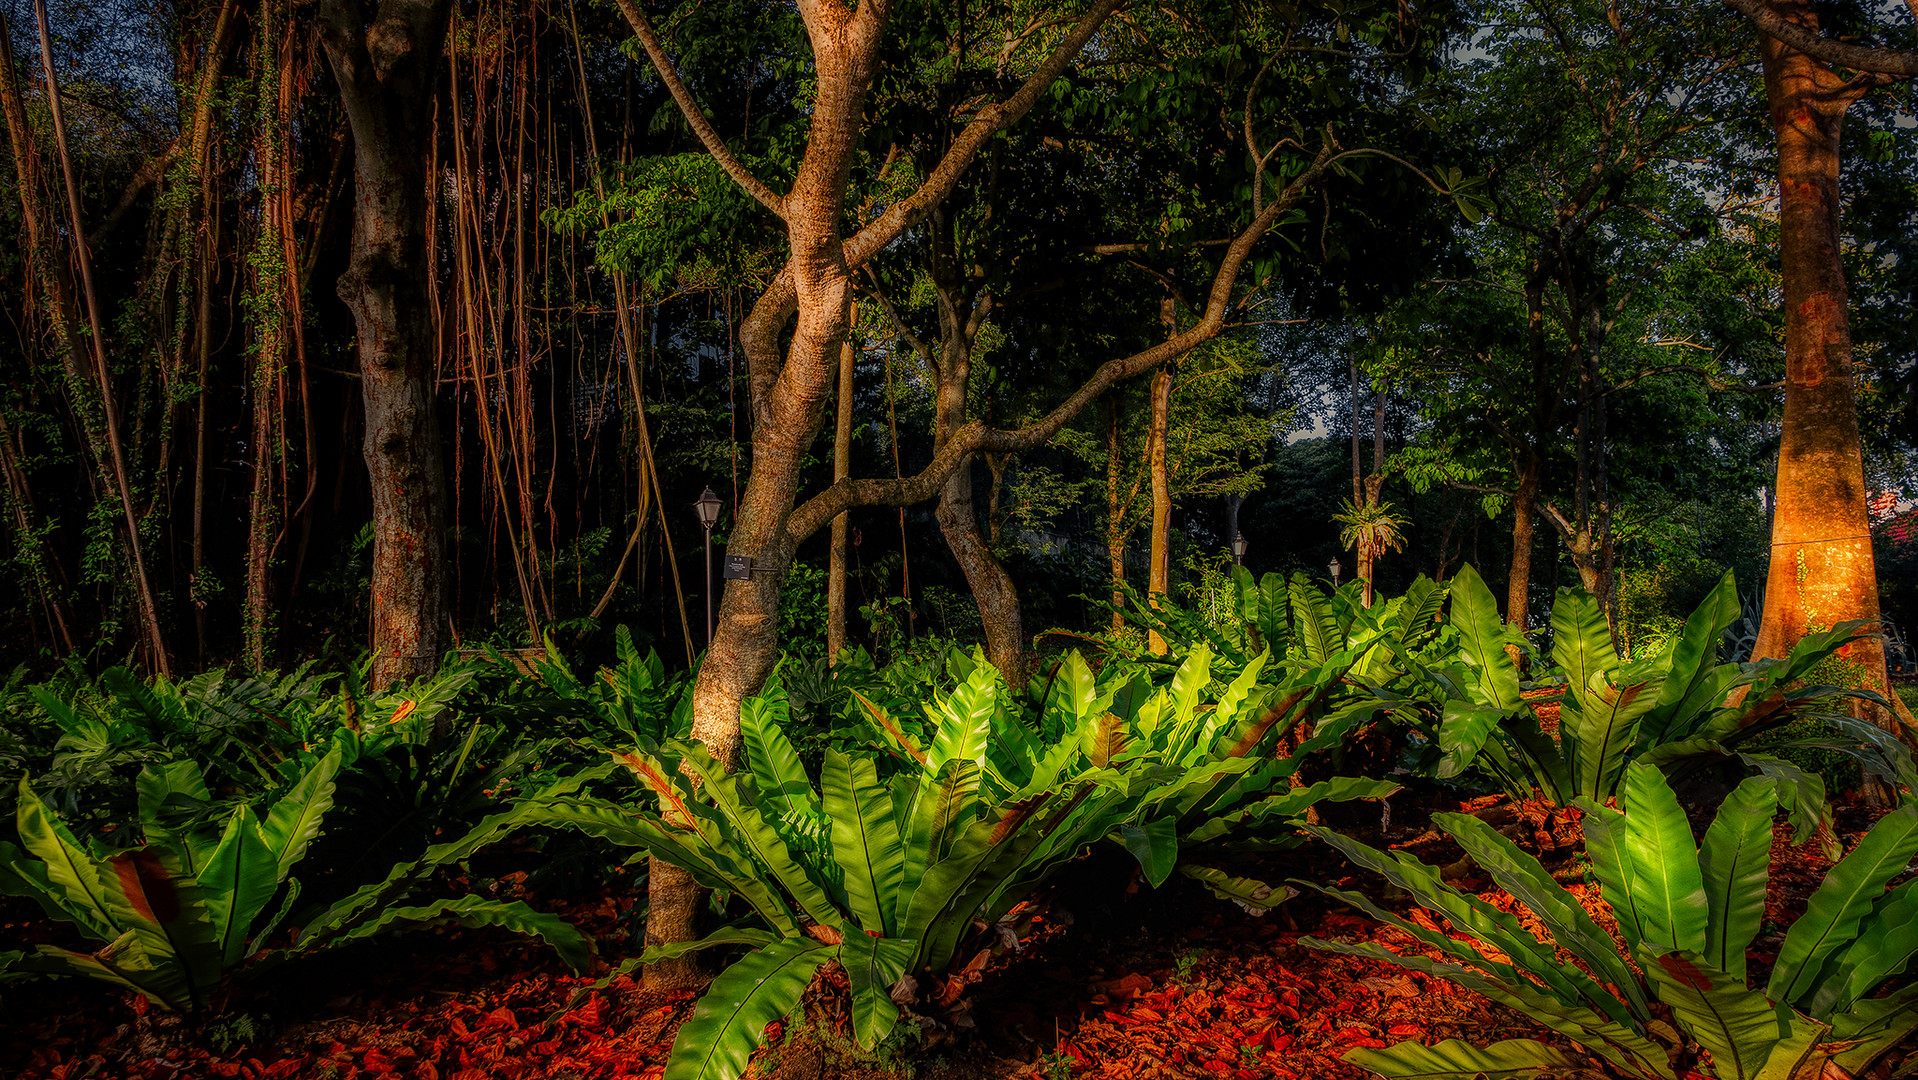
1166	984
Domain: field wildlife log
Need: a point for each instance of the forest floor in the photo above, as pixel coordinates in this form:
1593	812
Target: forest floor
1161	983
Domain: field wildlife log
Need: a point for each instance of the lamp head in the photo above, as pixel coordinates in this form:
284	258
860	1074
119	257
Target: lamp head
707	507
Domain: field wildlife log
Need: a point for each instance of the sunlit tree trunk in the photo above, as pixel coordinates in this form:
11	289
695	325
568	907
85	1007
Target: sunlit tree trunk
1159	571
386	70
837	553
1822	571
1524	524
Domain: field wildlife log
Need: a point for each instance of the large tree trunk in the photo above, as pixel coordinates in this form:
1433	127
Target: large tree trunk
1822	571
386	71
1159	572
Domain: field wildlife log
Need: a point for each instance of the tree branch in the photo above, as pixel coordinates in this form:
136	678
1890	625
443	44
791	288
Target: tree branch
812	515
913	209
716	146
1900	62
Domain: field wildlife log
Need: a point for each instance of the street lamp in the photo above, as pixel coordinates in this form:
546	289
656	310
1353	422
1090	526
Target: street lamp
1238	548
707	507
1335	568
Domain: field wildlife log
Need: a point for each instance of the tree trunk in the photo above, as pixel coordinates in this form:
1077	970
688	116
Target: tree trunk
271	333
962	315
144	603
1232	504
1822	570
1524	515
837	555
386	71
1115	533
1358	491
1160	569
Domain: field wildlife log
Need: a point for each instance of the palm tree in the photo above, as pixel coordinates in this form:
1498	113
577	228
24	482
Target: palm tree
1371	529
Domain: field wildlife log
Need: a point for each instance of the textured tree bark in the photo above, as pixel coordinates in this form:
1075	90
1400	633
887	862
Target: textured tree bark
1822	571
386	69
1160	572
837	553
1524	522
962	314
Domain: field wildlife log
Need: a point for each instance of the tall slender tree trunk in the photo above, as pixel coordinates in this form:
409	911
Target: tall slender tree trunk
145	606
1518	586
1358	490
961	316
837	554
1160	570
272	335
1115	531
1822	571
386	70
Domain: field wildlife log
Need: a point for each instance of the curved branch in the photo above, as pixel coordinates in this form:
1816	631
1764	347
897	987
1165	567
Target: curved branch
913	209
716	146
759	337
975	437
1900	62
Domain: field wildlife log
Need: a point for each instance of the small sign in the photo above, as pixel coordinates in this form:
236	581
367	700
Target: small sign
738	568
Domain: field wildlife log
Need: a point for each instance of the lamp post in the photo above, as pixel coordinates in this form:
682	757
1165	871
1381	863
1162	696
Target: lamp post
1238	548
707	507
1335	568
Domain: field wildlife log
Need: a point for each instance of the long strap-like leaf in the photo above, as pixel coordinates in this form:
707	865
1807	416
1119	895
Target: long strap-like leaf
1841	902
1454	1058
1667	885
1736	861
728	1023
1739	1026
237	882
865	840
294	821
1570	924
69	867
873	965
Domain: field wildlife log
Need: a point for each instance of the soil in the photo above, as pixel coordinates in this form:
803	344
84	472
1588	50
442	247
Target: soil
1115	982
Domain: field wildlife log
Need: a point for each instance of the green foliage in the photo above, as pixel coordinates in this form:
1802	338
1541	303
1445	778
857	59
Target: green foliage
891	865
1686	913
199	902
1679	710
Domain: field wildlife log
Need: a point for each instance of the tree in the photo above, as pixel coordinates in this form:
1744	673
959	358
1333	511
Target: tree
386	62
1588	198
789	385
1371	529
1822	568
